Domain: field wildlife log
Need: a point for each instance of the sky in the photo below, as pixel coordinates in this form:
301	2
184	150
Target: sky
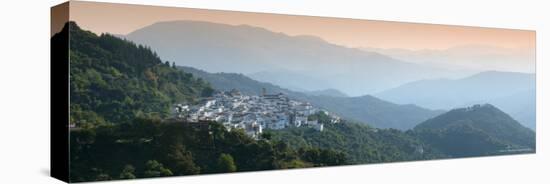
123	19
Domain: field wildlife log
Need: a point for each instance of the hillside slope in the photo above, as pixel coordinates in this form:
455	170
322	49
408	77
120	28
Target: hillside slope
476	131
114	81
362	144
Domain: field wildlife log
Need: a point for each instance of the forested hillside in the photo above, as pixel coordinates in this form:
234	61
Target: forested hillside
362	144
113	80
121	94
476	131
149	148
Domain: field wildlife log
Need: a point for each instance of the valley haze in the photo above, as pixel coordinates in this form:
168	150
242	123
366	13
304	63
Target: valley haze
309	63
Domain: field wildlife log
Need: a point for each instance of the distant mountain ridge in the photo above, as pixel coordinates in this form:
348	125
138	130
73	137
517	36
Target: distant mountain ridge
366	109
228	81
375	111
473	57
296	81
248	50
498	88
475	131
327	92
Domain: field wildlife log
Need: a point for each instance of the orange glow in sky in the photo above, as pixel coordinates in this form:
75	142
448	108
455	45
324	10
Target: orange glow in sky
123	19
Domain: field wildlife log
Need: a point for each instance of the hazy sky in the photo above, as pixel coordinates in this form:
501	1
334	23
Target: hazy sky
123	19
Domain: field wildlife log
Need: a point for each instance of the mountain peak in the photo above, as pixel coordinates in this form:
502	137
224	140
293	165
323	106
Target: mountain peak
480	107
483	118
311	38
478	114
475	131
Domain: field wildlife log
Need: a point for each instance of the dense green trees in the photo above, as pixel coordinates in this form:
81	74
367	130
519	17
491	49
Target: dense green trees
149	148
156	169
181	160
360	143
226	163
323	157
476	131
114	81
128	172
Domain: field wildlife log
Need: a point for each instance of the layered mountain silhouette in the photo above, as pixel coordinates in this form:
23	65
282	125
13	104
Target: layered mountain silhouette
327	92
469	58
304	67
512	92
365	109
304	62
475	131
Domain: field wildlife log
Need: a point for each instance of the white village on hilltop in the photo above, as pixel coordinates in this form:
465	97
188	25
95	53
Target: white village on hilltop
253	113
